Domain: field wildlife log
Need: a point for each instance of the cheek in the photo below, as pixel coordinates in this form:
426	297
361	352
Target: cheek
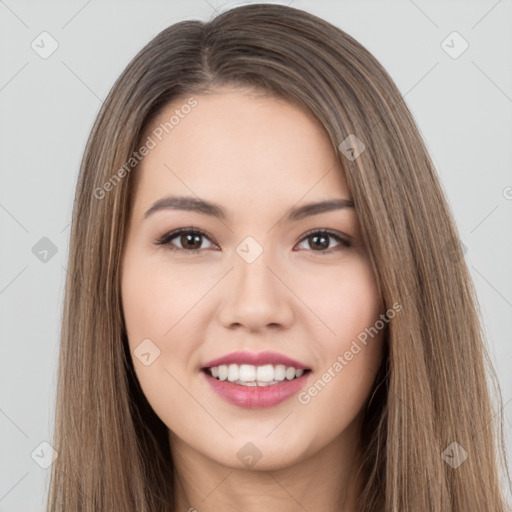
151	308
350	350
154	299
165	306
346	300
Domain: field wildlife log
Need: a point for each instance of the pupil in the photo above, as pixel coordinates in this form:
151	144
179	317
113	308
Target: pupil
323	245
191	238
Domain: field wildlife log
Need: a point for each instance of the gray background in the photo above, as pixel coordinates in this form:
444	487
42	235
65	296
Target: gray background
463	107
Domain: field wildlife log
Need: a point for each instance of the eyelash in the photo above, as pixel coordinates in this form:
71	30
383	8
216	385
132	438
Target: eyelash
165	240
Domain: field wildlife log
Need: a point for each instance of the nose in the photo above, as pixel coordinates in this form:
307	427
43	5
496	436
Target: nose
256	296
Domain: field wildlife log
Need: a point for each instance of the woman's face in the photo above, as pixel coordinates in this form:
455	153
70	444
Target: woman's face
261	287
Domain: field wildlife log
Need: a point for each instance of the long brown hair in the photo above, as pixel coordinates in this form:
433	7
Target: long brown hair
432	389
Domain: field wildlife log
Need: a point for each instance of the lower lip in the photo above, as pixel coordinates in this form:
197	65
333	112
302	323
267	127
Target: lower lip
254	397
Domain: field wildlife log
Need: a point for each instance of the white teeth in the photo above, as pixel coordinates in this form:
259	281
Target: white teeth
223	372
246	373
232	372
251	375
265	373
279	372
290	373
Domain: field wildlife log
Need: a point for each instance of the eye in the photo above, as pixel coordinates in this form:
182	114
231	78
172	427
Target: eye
190	240
319	241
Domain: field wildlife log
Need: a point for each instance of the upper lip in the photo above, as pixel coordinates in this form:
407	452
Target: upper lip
256	359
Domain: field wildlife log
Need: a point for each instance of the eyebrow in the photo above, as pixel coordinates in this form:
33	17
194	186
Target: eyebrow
215	210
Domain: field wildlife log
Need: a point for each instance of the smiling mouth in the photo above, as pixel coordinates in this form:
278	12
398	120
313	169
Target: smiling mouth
255	375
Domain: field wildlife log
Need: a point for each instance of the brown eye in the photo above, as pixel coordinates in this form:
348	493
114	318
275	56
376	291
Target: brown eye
320	241
188	240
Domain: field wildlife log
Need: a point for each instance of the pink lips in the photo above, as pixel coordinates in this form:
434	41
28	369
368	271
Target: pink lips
256	396
257	359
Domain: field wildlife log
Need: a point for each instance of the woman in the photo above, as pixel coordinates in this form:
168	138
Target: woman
267	305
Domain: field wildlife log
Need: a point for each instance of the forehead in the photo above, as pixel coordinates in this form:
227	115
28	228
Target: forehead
238	143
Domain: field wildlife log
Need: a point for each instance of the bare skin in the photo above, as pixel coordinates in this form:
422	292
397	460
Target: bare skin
257	157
